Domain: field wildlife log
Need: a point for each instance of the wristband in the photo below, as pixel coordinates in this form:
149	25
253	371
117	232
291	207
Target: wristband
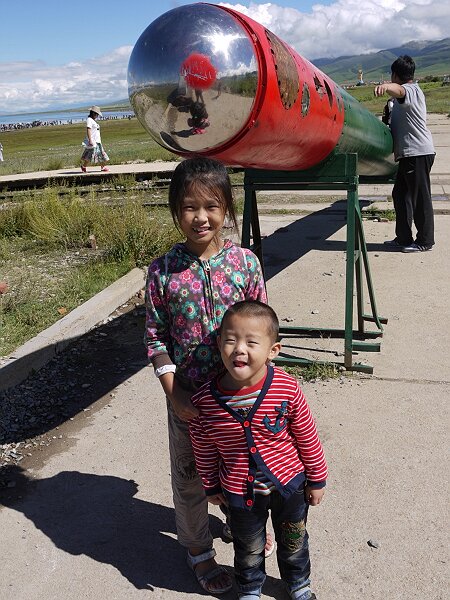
165	369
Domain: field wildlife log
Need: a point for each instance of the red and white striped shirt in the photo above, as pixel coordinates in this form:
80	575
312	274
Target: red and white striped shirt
277	437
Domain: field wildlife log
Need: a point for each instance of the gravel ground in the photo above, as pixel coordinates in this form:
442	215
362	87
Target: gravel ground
33	411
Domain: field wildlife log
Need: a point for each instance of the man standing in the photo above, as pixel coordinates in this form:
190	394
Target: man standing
414	151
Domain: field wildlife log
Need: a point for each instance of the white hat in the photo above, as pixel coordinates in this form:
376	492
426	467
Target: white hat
97	110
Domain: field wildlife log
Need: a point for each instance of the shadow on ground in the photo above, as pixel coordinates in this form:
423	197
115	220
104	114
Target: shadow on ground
311	232
99	516
86	371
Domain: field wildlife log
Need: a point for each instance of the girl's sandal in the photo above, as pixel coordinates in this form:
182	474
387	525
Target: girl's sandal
206	579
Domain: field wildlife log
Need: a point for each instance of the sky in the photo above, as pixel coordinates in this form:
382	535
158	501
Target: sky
56	54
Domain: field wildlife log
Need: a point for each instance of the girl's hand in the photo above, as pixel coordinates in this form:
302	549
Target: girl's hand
217	499
313	495
180	401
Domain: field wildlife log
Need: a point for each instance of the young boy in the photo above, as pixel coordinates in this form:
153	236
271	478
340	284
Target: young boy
256	448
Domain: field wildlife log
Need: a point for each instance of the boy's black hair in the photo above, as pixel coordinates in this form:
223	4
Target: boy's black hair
255	309
201	172
404	67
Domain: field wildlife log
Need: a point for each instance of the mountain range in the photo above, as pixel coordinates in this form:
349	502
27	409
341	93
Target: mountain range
431	58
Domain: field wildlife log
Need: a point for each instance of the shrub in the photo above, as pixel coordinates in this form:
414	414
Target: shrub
65	223
130	230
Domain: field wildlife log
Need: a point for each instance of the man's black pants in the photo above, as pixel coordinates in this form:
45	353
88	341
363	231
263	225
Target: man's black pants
412	200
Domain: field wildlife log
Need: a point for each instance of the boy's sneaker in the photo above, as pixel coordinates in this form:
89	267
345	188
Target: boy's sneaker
415	247
303	593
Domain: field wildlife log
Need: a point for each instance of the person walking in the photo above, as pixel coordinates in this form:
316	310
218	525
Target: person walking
414	151
93	152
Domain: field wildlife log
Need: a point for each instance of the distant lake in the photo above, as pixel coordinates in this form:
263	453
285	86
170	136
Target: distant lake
62	117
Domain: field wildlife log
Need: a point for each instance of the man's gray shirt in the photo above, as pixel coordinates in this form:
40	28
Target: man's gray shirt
409	124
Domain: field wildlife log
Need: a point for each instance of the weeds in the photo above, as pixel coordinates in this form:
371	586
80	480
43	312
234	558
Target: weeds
314	371
376	213
134	232
63	223
54	164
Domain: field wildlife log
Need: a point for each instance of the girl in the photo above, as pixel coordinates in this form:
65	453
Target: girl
188	291
93	152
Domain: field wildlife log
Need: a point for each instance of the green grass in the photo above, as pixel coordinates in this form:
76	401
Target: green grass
34	302
437	98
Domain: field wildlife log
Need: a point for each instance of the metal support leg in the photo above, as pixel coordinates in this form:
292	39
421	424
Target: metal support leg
338	173
349	279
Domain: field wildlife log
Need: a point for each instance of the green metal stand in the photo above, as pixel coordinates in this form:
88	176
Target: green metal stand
337	173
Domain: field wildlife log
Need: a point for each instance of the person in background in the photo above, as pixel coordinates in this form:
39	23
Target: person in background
199	118
93	148
414	151
187	292
1	152
256	449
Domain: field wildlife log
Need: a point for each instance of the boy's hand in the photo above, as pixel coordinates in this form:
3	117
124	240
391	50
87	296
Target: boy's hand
217	499
380	90
313	495
180	401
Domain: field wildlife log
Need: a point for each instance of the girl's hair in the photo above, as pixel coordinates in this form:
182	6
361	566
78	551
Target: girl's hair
92	113
206	175
257	310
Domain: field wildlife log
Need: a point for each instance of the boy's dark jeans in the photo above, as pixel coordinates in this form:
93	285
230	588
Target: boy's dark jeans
249	537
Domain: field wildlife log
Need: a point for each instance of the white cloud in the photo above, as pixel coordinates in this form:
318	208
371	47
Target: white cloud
352	26
30	86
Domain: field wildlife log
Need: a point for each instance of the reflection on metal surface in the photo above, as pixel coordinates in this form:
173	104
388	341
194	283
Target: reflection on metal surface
339	101
195	54
287	75
305	99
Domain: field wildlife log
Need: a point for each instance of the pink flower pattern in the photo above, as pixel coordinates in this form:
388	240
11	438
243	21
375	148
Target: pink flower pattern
233	274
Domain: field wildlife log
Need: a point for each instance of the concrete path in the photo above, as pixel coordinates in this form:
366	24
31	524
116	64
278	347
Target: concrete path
90	515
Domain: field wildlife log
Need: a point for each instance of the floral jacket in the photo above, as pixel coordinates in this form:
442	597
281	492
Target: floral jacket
186	299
